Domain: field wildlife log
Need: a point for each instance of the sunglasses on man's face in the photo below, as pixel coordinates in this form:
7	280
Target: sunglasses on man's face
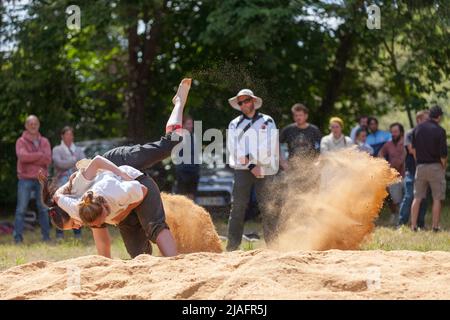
240	103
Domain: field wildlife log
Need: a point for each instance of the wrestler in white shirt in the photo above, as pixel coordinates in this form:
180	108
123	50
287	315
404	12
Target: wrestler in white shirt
118	192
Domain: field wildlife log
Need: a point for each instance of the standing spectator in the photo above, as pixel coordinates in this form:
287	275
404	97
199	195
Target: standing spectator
410	171
245	159
33	155
377	138
429	142
65	156
394	152
336	139
302	138
360	141
187	174
362	124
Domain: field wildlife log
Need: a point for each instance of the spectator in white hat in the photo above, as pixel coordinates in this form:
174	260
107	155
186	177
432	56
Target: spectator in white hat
252	142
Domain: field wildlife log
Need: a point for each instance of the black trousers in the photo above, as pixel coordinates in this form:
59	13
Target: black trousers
244	180
147	220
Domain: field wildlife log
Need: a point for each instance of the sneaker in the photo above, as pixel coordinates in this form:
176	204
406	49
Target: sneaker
251	237
436	229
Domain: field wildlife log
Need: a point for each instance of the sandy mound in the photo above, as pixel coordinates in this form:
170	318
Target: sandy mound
259	274
191	225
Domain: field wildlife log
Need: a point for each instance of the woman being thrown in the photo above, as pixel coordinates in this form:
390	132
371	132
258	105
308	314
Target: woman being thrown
114	191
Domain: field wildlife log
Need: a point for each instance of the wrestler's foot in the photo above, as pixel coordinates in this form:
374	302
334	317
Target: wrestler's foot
182	93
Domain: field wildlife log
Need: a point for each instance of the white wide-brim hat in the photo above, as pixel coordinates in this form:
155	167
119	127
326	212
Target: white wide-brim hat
245	92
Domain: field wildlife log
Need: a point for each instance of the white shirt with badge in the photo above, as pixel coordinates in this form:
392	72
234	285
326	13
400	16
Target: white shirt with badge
259	143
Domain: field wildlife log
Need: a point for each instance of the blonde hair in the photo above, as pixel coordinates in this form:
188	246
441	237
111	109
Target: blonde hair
337	120
91	207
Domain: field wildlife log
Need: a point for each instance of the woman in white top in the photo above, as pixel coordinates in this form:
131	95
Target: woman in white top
336	140
111	189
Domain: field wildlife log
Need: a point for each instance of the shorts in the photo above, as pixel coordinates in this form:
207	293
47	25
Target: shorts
432	175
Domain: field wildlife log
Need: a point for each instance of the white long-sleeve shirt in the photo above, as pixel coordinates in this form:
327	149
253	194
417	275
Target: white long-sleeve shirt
329	143
259	143
119	194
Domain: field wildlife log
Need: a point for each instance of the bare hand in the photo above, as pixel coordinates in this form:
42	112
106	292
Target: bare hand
243	160
257	172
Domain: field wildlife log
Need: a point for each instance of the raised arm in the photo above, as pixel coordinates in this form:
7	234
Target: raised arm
99	163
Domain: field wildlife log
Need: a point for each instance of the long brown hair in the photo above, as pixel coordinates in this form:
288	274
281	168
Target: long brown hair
91	207
58	216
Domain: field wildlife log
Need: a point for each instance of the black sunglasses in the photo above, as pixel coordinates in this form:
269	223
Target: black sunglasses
240	103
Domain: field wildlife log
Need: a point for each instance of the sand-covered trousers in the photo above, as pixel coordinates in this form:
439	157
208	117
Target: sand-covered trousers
147	220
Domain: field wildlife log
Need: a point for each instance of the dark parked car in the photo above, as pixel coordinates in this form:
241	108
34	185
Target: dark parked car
215	188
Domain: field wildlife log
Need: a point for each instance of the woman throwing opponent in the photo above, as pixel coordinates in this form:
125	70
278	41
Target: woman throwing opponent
111	189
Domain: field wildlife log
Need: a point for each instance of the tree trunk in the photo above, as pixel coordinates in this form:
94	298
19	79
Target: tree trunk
337	74
399	79
139	75
346	36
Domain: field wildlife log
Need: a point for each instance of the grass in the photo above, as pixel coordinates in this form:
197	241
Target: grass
387	238
384	238
33	249
404	239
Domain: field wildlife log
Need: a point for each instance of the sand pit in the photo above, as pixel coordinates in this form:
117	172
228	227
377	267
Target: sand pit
191	225
334	207
259	274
